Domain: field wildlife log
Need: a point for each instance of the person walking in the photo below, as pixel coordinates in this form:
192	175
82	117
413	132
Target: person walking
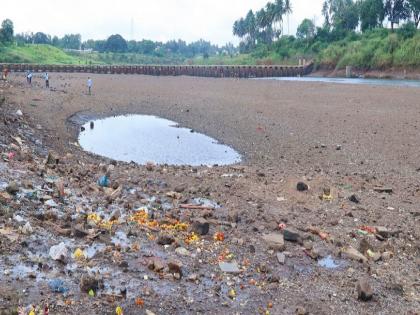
47	80
30	77
89	85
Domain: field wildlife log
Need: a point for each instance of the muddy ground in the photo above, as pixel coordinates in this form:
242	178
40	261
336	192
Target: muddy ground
141	245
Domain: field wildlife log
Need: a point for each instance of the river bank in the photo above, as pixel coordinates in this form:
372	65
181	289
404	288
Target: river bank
223	239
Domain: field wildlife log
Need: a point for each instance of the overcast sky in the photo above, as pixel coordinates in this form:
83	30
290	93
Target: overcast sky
160	20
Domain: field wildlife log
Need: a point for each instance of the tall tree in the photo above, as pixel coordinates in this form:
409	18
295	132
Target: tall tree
372	13
414	7
6	31
306	30
239	28
41	38
116	43
396	10
341	14
251	26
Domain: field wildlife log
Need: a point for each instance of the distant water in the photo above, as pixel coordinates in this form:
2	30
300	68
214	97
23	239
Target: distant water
358	81
143	139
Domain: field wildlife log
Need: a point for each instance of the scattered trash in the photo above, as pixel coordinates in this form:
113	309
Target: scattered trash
58	286
328	262
326	196
103	181
59	252
119	310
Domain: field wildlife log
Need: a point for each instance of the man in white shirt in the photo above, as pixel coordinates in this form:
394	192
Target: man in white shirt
47	81
30	77
89	85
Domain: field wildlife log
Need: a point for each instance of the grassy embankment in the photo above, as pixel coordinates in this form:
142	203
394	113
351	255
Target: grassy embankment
376	50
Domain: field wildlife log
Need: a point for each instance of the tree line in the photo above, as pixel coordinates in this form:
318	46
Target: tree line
340	18
116	44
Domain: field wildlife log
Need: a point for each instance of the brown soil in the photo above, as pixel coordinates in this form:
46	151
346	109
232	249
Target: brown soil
348	138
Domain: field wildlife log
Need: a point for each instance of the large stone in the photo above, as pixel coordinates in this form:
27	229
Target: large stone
301	186
364	290
175	266
180	188
88	283
229	267
156	264
383	231
291	235
281	258
354	254
165	239
274	241
200	226
12	188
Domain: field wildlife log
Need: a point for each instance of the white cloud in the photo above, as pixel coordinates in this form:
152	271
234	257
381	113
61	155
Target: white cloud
152	19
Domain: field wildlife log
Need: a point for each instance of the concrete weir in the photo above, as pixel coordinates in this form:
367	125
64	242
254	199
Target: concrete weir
172	70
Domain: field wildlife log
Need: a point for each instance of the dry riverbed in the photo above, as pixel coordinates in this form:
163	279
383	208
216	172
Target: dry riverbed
321	217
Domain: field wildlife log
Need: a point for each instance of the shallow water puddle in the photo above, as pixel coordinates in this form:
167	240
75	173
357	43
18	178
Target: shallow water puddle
142	139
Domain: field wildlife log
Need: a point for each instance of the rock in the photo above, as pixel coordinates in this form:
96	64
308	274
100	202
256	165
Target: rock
229	267
150	166
386	256
291	235
364	246
27	229
88	283
364	290
301	186
156	265
274	241
52	159
193	277
149	312
115	215
79	231
200	226
175	267
180	188
182	251
19	113
12	188
5	197
383	231
281	258
387	190
338	147
354	254
59	252
165	239
300	310
354	198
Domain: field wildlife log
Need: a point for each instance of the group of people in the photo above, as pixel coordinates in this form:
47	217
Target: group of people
29	76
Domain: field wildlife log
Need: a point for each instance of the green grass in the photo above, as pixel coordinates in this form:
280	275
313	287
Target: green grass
378	49
42	54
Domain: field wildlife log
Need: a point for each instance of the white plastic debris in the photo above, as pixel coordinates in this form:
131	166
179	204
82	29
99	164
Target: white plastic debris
59	252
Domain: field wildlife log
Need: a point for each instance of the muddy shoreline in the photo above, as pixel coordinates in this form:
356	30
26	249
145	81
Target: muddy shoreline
360	143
